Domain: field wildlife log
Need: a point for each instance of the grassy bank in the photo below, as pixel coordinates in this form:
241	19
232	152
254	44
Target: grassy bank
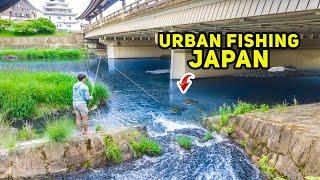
5	34
27	54
28	95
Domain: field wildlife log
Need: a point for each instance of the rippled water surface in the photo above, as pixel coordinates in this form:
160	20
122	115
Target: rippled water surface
176	114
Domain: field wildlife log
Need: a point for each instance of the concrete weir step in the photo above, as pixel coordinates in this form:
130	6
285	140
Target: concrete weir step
39	158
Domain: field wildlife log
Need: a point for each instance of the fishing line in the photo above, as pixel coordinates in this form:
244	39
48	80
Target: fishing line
95	78
133	82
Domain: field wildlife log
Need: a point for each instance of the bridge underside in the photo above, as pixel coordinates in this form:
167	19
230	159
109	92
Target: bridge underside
132	35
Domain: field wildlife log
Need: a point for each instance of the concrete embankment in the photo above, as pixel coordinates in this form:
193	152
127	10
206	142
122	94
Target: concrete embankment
289	137
72	41
41	158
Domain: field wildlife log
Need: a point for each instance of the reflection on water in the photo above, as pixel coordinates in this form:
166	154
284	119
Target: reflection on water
177	114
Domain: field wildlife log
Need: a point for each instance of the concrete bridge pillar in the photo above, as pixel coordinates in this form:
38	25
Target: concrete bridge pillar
122	49
179	67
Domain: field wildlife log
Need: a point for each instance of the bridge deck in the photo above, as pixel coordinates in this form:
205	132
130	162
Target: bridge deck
150	16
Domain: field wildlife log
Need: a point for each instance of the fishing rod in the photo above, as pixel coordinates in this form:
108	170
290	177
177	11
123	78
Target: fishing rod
96	76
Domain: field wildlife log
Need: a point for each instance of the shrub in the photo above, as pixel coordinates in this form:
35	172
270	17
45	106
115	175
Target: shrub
185	142
145	146
44	26
24	28
112	150
6	25
59	130
207	137
30	27
26	133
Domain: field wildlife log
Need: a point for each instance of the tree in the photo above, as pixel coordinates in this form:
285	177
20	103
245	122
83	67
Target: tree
5	25
24	28
44	26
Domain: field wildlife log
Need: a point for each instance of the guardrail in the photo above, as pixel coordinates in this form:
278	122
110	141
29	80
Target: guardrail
137	6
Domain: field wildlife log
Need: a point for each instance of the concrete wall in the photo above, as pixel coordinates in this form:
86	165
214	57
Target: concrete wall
72	41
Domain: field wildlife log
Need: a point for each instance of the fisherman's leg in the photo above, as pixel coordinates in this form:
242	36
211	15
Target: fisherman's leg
78	118
84	118
85	124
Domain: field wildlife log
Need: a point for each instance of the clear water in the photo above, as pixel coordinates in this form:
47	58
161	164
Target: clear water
177	114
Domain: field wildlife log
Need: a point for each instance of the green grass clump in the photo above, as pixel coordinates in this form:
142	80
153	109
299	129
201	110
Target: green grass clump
243	107
87	164
99	128
281	106
27	95
8	137
60	130
26	133
263	108
207	137
27	54
266	168
145	146
185	142
112	150
312	178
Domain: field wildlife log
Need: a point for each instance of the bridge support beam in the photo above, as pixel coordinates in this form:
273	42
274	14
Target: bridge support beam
134	49
304	59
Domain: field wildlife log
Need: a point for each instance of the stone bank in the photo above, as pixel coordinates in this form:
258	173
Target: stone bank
289	137
41	158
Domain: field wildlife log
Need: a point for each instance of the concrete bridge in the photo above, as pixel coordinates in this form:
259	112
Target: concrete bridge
131	31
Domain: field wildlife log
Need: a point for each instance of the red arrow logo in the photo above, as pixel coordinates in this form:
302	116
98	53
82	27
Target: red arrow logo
185	82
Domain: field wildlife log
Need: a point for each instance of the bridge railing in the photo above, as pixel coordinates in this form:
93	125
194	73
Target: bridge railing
137	6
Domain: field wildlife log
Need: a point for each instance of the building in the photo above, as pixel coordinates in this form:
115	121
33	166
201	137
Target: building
23	10
59	12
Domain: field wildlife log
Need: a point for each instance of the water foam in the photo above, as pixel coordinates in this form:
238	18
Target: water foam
159	71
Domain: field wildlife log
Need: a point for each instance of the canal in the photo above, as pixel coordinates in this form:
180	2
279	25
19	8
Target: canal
142	94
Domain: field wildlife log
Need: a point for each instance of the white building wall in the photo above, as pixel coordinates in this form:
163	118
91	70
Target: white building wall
64	22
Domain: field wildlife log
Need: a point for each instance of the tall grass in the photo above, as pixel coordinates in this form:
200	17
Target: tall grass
58	53
112	150
8	137
26	95
59	130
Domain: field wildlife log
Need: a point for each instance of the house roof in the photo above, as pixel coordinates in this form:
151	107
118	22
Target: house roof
6	4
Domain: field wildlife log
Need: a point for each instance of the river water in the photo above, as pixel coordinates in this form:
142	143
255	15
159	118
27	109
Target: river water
142	94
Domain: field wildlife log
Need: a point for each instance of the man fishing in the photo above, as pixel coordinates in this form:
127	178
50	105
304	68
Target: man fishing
81	96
